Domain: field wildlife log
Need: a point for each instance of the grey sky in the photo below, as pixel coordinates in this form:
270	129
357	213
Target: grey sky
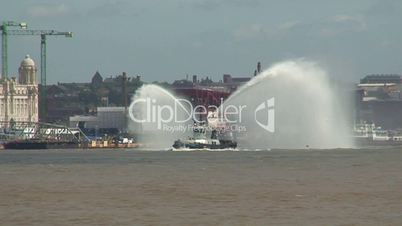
167	39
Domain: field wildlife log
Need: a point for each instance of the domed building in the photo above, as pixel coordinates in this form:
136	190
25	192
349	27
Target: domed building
19	99
27	72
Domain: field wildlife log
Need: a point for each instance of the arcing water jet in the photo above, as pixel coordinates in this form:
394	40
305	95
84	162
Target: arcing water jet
291	105
158	117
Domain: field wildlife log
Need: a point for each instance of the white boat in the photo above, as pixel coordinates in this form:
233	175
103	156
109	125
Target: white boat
203	139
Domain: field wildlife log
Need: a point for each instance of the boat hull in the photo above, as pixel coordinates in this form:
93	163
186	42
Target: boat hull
33	145
194	145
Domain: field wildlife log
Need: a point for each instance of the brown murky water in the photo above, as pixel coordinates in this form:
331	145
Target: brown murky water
332	187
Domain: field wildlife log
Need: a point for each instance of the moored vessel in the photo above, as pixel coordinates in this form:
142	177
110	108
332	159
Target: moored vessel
32	144
203	138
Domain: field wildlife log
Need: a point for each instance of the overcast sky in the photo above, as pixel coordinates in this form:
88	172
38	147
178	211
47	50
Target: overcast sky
167	39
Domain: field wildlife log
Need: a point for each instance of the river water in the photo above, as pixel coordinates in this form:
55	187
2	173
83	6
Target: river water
132	187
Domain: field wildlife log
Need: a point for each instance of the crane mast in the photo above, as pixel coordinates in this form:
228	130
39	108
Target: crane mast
43	34
4	44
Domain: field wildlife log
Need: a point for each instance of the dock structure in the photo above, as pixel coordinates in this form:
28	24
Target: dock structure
19	131
37	135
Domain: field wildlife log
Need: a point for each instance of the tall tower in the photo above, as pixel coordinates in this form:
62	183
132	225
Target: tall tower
258	67
27	72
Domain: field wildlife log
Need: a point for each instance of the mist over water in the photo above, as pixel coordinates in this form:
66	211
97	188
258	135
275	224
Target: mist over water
152	108
305	110
291	105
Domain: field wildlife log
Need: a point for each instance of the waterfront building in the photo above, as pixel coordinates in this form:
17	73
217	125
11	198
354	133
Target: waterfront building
207	92
19	98
106	119
233	83
381	78
380	101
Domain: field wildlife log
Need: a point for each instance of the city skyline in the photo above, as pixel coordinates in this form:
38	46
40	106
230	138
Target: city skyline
165	41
